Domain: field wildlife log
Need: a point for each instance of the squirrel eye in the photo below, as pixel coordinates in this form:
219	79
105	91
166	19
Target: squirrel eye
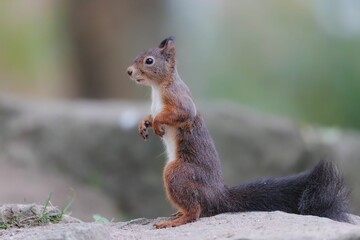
149	60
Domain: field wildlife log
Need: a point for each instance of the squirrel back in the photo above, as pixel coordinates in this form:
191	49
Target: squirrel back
193	177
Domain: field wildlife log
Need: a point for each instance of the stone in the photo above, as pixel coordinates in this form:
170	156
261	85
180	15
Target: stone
250	226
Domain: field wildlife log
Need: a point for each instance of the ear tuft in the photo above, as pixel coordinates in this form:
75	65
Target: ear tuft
167	49
166	41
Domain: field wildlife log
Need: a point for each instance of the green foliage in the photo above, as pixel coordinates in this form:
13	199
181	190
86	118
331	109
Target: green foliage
30	45
284	62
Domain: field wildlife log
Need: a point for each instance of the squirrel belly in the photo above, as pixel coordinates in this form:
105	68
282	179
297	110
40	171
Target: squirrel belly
192	175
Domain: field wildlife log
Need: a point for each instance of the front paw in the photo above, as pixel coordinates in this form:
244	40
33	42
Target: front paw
158	130
143	129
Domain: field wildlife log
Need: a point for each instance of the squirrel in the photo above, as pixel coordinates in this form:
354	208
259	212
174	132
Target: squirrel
192	175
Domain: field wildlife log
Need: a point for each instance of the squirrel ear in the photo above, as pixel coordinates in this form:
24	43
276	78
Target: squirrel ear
167	41
167	48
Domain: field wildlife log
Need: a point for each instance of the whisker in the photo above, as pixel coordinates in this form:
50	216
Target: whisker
161	154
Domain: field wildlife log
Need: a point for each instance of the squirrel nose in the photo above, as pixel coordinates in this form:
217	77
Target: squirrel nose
129	71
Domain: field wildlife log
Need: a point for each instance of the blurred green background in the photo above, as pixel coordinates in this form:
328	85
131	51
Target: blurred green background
294	58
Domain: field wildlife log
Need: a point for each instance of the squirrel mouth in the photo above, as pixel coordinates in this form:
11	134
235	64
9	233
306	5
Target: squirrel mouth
139	80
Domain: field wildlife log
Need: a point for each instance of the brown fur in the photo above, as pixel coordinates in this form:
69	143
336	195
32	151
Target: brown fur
193	181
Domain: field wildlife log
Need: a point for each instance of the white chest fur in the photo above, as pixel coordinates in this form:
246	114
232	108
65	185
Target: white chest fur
170	132
156	104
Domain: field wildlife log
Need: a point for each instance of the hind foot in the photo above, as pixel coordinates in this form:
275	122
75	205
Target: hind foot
186	217
174	223
178	214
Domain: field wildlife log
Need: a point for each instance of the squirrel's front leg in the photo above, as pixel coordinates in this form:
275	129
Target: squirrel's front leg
173	118
157	122
144	125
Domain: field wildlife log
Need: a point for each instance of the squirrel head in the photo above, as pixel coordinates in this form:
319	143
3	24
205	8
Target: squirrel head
156	65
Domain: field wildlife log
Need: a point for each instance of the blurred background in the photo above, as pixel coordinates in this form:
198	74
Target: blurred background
278	82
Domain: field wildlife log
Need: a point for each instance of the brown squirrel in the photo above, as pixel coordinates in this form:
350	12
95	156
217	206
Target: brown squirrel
192	175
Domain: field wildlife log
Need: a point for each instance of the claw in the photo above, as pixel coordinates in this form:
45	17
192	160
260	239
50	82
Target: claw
147	124
143	128
160	132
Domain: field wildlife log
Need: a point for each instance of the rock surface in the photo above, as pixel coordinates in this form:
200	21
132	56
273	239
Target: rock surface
249	226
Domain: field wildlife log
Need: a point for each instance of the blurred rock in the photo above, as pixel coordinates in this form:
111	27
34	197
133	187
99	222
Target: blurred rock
97	143
21	183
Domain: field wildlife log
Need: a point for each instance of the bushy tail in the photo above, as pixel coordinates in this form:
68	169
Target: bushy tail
320	192
325	194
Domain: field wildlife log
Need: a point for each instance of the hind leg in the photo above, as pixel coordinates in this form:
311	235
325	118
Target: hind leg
188	216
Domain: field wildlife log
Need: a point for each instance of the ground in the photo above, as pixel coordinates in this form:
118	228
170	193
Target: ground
252	225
